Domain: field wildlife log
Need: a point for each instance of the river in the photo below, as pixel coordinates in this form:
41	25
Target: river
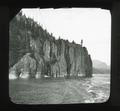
61	91
99	87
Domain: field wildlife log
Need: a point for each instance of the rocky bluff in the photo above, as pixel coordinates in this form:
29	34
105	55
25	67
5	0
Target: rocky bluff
34	53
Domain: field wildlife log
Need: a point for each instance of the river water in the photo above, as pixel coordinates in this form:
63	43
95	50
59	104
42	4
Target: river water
99	87
60	91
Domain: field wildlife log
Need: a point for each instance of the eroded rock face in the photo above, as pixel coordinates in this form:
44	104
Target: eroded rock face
53	59
35	53
39	65
24	68
55	70
46	50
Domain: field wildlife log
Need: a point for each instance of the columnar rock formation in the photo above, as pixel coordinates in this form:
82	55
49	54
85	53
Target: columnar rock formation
46	56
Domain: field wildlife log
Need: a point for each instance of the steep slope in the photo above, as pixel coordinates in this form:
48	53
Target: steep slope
35	47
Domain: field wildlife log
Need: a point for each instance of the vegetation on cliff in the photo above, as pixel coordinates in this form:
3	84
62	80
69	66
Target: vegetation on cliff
36	47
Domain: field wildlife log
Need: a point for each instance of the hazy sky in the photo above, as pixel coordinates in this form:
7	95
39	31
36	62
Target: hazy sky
93	25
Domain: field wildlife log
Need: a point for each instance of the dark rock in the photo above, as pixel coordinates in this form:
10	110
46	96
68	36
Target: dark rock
39	54
70	60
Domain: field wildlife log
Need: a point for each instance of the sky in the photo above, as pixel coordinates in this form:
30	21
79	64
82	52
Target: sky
93	25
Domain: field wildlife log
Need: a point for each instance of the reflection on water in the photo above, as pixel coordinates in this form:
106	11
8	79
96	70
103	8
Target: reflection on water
99	87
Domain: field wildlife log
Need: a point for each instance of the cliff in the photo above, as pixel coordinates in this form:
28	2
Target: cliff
33	52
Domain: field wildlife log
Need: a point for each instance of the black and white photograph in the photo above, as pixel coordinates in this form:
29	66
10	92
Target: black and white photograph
60	56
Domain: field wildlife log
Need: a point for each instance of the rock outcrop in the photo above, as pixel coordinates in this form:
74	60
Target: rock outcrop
46	56
24	68
56	60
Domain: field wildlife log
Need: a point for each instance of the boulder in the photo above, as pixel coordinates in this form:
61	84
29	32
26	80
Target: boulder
24	68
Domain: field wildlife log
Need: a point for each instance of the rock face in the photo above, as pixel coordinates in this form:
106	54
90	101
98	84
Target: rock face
48	57
24	68
58	59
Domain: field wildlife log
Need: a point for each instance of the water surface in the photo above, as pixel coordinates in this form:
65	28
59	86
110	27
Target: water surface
60	90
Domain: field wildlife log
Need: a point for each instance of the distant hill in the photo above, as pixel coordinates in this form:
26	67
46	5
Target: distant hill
100	67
